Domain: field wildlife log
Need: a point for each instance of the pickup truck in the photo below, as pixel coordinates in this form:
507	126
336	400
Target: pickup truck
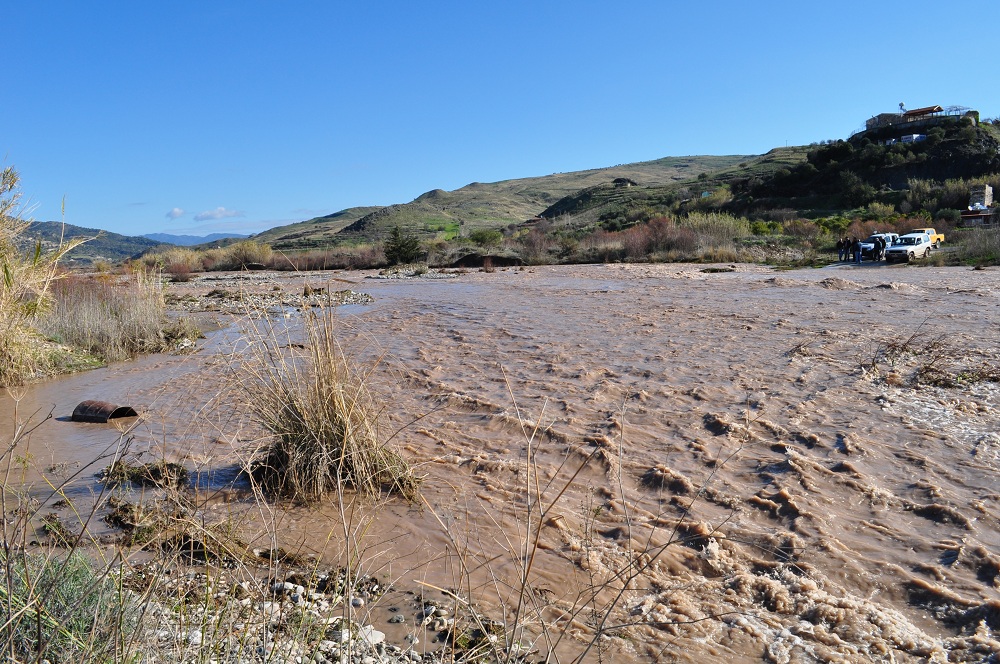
937	239
908	247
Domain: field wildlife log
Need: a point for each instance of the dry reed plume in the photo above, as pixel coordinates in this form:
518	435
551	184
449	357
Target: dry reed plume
25	280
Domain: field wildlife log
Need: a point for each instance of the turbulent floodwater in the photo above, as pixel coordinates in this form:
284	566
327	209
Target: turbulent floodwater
737	459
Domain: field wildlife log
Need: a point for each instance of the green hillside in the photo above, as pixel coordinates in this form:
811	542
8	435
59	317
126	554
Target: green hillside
445	214
614	205
849	174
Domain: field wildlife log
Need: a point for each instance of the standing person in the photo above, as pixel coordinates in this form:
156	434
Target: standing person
856	249
881	247
842	247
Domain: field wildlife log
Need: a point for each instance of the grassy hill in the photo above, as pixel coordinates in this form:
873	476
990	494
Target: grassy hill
319	231
615	205
445	214
101	245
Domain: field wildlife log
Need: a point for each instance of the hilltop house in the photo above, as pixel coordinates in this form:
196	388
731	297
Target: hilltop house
910	126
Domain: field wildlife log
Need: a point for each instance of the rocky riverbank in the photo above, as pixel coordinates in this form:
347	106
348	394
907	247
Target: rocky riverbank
303	616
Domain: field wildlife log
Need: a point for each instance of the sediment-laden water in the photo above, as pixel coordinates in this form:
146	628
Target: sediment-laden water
739	460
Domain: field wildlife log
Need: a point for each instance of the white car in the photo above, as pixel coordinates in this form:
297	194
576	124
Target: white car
909	247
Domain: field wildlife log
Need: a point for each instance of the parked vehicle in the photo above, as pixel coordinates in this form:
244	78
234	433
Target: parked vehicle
937	239
868	245
909	247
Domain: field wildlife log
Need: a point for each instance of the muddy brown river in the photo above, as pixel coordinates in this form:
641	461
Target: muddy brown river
696	464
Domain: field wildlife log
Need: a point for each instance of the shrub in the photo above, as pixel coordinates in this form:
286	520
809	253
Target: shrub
601	247
863	229
855	191
659	234
535	245
715	200
803	230
716	229
951	217
486	237
246	254
179	272
876	210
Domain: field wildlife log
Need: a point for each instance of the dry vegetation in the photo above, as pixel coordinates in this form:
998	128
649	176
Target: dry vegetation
115	317
322	418
49	318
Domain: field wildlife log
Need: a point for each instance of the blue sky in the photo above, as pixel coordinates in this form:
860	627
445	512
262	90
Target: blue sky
199	117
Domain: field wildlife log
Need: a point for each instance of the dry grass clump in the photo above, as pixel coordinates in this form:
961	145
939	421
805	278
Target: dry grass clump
248	254
112	317
322	418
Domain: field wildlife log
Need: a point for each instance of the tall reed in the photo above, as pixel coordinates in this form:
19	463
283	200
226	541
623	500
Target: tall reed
25	279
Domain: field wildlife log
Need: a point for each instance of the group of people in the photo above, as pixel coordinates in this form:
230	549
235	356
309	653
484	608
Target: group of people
851	248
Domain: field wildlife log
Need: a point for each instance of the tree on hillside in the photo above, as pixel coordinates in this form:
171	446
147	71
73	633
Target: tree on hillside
400	248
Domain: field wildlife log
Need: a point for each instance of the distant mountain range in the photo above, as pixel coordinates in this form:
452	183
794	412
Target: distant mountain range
105	245
100	245
191	240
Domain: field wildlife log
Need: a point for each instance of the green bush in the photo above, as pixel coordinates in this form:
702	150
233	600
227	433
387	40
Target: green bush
61	610
487	238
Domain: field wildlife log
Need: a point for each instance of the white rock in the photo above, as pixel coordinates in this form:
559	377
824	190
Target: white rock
370	635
